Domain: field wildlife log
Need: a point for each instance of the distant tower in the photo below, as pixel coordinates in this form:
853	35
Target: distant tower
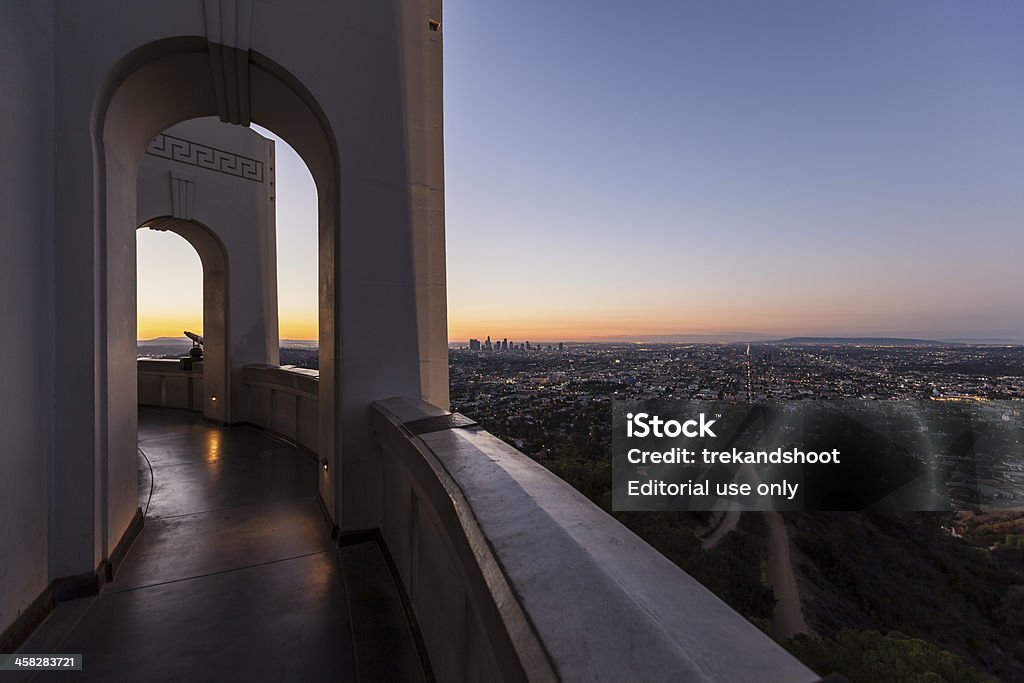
561	347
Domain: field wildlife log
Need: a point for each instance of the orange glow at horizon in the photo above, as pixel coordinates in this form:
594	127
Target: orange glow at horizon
169	286
298	325
172	324
168	325
729	320
170	292
564	329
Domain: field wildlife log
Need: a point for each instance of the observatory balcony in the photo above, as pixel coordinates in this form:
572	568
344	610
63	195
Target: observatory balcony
510	573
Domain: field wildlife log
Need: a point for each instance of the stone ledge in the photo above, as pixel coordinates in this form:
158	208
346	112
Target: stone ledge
604	604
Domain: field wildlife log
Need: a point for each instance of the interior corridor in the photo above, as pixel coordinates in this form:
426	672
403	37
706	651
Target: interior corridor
234	576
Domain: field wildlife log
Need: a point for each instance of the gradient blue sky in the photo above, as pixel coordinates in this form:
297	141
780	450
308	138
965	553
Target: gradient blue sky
786	167
715	167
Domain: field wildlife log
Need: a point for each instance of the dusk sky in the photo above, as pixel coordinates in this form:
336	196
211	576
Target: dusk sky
710	168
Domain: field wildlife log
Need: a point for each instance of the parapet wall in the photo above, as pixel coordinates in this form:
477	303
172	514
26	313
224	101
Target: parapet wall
163	384
284	400
513	574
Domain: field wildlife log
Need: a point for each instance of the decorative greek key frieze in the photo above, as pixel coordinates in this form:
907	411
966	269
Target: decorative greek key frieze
204	156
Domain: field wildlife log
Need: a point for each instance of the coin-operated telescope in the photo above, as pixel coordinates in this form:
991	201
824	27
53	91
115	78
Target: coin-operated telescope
195	354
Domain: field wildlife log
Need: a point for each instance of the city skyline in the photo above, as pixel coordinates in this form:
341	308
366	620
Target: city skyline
782	170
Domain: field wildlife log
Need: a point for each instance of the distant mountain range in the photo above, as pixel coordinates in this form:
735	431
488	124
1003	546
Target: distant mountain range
887	341
992	340
165	340
871	341
182	341
760	338
164	347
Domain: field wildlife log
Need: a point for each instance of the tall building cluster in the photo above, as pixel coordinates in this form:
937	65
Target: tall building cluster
503	345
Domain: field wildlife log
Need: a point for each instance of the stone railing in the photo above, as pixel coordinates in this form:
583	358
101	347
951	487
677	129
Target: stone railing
511	574
162	383
285	400
514	575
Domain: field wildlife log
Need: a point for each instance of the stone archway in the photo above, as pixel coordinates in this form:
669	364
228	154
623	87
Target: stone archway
217	181
216	312
160	85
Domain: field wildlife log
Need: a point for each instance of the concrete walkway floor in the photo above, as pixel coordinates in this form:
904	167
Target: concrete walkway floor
234	576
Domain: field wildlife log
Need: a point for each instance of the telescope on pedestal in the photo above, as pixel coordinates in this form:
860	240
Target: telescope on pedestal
195	354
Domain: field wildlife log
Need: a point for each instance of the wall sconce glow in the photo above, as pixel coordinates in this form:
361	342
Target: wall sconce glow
324	463
213	398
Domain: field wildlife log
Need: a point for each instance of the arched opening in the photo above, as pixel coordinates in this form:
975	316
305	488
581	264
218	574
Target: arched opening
169	286
152	89
208	390
295	202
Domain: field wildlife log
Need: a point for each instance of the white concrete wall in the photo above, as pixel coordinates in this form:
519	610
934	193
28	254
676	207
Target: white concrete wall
163	384
285	400
87	89
425	124
26	299
240	213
